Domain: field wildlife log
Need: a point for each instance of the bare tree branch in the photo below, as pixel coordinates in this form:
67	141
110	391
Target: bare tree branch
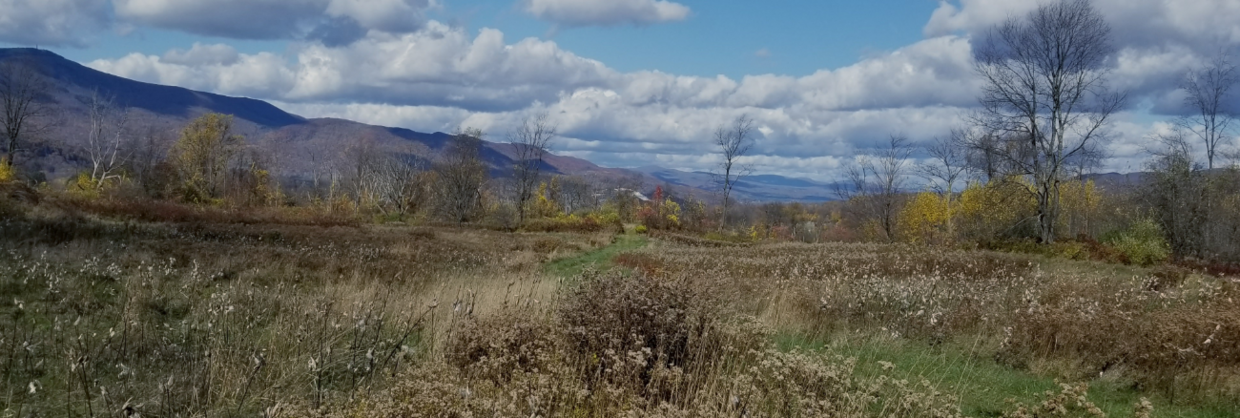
948	164
531	140
1208	89
460	176
877	183
25	113
733	142
1045	83
104	142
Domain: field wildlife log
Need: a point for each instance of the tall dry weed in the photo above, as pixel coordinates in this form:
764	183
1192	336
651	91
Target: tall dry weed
103	318
629	345
1166	330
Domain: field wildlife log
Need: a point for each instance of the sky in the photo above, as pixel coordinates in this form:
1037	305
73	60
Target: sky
628	82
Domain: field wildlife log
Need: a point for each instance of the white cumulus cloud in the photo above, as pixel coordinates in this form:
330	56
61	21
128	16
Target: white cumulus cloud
332	21
1135	22
51	22
439	65
200	54
438	76
1156	41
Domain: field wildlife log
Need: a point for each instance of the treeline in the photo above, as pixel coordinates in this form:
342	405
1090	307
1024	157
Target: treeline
1013	174
1176	212
207	164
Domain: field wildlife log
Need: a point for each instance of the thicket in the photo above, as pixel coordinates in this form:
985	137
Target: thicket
107	317
304	319
1183	213
1165	331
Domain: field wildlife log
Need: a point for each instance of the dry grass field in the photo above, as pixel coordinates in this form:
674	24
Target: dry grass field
106	318
1165	333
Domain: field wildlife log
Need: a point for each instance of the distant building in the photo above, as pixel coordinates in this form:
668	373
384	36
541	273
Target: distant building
636	194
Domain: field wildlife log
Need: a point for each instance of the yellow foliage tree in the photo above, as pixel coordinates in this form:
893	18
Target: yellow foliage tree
84	186
202	154
1080	202
989	210
261	191
924	219
544	206
670	211
7	173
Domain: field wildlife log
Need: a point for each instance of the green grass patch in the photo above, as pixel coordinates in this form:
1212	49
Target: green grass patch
983	385
600	259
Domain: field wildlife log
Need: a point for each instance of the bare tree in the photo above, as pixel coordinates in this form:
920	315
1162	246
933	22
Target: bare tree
360	159
531	141
1208	89
1178	193
249	176
1086	160
461	175
985	152
1045	83
876	184
104	142
396	184
948	164
733	142
577	193
147	151
25	114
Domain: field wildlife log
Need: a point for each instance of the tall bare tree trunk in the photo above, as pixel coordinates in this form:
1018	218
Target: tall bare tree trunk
733	142
531	139
1045	81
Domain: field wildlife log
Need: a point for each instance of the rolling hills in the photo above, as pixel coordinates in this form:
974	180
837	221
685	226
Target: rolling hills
299	145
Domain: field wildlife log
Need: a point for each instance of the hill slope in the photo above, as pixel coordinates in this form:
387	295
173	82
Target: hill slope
78	81
299	145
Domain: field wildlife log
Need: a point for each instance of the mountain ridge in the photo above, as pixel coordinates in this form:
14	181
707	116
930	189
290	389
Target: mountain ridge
301	142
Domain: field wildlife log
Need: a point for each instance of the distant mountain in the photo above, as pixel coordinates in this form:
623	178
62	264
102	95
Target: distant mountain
78	81
773	180
756	188
297	145
1117	182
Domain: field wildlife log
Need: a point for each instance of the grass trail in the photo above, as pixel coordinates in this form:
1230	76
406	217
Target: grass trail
983	385
600	259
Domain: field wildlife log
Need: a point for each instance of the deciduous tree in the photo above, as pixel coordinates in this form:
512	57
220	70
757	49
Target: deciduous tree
202	155
531	140
1045	83
105	141
1209	90
23	103
733	142
396	184
461	175
876	184
946	167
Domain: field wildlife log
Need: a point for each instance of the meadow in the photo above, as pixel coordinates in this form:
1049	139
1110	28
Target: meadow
103	316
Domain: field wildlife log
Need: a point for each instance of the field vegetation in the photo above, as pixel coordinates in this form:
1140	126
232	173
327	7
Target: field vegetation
108	317
185	275
298	314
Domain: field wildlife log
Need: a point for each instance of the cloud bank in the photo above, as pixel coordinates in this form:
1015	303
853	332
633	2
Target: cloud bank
384	62
52	22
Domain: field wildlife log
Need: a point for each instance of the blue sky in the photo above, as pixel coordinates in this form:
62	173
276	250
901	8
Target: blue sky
629	82
724	37
720	37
